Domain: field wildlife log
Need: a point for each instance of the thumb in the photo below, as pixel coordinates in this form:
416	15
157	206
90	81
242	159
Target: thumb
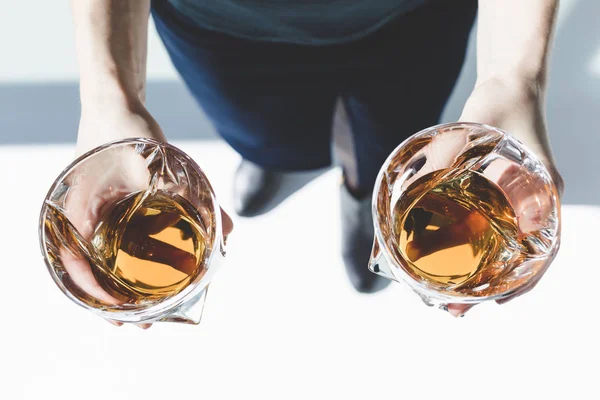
458	310
227	223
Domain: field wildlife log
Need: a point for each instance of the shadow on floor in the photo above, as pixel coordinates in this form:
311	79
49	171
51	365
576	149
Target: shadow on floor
291	183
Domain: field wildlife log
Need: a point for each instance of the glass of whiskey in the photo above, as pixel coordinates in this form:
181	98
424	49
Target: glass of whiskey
132	232
464	213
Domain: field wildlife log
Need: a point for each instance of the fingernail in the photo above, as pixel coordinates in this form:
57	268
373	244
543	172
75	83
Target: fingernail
115	323
453	312
143	326
459	311
412	251
461	314
509	298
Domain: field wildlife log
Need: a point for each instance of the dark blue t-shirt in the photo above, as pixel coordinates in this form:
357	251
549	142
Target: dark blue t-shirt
313	22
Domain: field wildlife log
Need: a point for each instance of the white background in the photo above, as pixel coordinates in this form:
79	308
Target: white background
36	44
281	320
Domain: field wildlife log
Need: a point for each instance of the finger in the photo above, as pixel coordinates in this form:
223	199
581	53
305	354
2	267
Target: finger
433	203
501	171
153	224
559	182
526	289
448	236
73	258
115	323
227	223
529	197
143	326
150	249
80	273
440	153
535	270
459	310
443	149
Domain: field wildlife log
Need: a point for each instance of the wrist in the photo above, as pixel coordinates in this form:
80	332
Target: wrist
112	121
106	91
520	88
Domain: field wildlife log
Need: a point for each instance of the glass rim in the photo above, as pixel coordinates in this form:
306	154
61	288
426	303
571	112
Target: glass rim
161	308
397	270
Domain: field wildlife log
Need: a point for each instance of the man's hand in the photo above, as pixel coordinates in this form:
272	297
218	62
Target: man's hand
513	45
109	177
516	108
111	40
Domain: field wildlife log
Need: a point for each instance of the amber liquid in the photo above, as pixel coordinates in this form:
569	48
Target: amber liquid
455	231
153	246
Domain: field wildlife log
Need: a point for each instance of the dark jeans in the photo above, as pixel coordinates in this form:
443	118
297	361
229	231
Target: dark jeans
274	102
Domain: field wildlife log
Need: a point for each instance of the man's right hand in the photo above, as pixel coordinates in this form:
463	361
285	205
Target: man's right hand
111	40
108	179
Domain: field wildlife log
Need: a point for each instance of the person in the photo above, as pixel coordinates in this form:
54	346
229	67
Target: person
271	75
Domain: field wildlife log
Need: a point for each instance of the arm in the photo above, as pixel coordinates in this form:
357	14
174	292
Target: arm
513	43
514	38
111	39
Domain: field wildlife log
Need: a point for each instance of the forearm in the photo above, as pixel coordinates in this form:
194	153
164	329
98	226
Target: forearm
111	38
513	44
513	40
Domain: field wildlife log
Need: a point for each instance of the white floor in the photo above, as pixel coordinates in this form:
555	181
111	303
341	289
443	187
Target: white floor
281	320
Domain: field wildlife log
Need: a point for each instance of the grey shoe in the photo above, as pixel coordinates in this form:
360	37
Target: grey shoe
253	188
357	242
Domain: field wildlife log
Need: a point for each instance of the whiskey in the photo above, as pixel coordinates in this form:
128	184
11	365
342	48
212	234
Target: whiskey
153	246
147	247
455	231
464	213
131	232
